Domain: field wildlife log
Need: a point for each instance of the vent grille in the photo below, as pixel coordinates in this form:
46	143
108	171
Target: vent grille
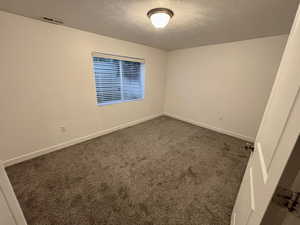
52	20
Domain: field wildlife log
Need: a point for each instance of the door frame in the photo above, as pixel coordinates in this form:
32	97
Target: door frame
10	197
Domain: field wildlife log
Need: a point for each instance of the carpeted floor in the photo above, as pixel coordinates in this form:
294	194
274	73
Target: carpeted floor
161	172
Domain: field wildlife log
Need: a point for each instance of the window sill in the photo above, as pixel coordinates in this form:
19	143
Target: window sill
121	101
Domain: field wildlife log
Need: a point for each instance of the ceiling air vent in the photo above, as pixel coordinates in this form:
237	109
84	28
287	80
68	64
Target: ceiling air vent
52	20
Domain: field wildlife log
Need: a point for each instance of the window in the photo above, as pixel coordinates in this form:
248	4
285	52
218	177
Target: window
118	79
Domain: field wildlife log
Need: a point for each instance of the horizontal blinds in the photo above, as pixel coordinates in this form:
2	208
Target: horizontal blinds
118	80
132	80
108	80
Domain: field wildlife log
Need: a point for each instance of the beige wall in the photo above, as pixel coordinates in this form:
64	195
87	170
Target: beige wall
46	81
224	87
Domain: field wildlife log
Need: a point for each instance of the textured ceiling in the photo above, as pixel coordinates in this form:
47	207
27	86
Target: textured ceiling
196	22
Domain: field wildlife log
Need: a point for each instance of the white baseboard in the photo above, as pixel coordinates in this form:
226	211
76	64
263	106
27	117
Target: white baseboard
46	150
219	130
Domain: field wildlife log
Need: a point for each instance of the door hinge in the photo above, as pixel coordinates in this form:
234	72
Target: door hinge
288	199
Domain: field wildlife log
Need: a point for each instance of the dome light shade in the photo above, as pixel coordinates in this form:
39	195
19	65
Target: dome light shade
160	17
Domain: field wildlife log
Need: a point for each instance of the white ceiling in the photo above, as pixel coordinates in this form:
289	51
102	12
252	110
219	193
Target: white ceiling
195	23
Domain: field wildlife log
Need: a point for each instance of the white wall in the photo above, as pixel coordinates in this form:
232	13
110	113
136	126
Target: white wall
224	87
46	81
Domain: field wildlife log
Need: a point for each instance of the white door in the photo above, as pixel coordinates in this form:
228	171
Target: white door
283	209
5	216
276	137
10	211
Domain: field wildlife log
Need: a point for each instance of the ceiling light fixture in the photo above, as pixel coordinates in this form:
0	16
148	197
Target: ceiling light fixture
160	17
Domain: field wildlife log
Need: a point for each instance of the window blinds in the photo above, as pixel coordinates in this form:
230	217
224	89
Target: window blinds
118	79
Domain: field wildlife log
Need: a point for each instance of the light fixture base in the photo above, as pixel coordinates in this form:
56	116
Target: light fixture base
160	10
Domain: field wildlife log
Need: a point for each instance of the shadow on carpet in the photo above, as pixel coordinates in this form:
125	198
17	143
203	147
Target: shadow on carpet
160	172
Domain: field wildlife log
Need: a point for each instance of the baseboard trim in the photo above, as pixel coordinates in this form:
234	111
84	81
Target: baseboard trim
74	141
219	130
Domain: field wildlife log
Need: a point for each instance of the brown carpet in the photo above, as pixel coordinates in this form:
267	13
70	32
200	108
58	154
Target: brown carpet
161	172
